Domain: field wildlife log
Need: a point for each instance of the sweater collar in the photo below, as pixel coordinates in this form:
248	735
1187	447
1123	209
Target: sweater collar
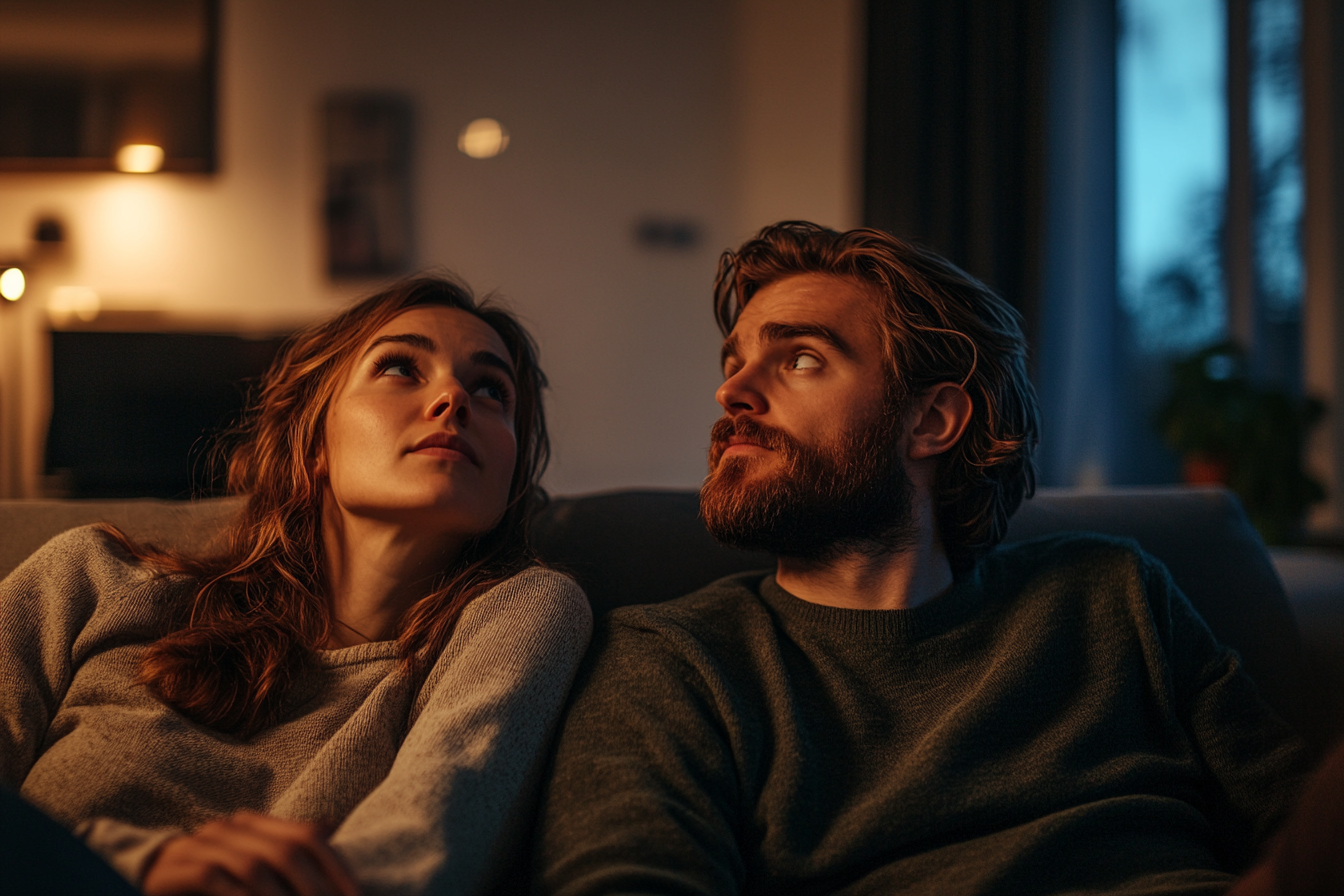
955	605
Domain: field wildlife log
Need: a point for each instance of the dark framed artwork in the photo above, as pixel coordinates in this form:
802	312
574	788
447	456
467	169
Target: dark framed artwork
368	184
80	80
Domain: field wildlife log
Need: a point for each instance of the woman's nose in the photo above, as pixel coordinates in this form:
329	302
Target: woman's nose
453	401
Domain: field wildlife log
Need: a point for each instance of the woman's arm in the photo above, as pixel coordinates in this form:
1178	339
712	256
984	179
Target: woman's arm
47	605
457	806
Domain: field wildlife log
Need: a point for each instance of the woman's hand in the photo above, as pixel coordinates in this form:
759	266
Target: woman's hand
250	855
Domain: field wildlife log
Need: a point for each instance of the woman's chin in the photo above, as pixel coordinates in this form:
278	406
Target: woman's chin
446	512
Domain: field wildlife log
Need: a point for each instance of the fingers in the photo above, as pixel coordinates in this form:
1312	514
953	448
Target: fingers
248	854
301	849
189	865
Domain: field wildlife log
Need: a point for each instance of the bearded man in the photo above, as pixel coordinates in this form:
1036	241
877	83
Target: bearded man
899	706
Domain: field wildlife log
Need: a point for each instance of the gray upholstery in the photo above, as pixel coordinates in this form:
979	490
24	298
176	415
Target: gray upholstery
646	546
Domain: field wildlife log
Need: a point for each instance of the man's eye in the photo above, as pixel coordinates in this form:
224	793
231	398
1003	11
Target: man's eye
804	362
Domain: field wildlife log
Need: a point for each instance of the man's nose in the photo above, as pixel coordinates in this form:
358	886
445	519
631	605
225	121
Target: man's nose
741	394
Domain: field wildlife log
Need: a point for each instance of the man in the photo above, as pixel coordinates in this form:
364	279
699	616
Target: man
900	708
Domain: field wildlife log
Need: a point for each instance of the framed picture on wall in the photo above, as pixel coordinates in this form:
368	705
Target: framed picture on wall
93	85
367	207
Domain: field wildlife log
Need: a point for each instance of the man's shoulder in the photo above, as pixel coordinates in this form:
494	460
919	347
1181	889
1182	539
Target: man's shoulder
1070	553
1074	566
700	613
703	628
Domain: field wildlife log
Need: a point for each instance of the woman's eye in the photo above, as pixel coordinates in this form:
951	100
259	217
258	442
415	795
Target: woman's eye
396	366
493	391
804	362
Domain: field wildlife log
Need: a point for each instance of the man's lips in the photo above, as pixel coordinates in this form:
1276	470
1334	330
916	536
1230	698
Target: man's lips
738	444
444	444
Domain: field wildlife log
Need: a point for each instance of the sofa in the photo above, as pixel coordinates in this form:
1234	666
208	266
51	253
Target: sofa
627	547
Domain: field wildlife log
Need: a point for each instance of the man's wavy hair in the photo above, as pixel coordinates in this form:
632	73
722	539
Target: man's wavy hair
939	324
259	609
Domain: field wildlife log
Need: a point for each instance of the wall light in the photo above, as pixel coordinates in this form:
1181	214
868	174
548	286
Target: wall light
12	284
483	138
70	302
140	158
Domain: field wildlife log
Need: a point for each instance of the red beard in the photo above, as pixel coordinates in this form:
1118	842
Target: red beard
850	494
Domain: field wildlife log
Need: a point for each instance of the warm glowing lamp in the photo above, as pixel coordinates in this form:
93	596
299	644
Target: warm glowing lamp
483	138
140	158
69	302
12	284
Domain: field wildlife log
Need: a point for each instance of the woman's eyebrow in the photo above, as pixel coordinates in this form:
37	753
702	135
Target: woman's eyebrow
490	359
424	343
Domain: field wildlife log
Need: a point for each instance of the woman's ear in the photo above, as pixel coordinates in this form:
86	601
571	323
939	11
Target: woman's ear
940	417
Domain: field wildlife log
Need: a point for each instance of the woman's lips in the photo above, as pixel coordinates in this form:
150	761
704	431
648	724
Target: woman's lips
444	444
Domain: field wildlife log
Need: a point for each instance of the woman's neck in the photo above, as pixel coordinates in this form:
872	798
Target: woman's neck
376	571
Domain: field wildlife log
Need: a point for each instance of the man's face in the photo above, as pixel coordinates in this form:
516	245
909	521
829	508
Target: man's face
807	458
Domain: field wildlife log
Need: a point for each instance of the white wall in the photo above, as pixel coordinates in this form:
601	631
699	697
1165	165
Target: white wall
798	103
727	113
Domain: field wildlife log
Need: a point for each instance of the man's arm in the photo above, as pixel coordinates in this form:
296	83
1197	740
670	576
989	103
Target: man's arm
1256	760
644	795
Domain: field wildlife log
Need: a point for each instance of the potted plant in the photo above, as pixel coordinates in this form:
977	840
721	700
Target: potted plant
1230	431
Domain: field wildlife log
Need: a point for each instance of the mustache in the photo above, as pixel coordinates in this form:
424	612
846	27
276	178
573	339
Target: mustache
766	436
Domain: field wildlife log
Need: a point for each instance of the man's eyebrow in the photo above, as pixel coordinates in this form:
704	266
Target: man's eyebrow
778	332
424	343
729	349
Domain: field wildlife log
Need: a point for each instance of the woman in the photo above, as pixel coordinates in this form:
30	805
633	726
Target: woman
357	694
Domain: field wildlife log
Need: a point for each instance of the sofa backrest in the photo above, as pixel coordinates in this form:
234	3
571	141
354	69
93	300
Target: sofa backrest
629	547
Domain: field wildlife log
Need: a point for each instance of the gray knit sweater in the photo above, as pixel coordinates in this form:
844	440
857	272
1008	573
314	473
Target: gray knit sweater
433	791
1059	721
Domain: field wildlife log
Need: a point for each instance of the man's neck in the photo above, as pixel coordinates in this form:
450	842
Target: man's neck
867	580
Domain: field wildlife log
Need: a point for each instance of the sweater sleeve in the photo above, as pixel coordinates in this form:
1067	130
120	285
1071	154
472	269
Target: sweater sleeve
455	809
1255	760
46	604
644	791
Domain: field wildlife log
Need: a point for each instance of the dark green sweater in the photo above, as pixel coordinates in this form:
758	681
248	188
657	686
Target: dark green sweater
1059	721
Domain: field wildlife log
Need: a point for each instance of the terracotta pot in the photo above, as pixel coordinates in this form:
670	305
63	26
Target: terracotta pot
1205	469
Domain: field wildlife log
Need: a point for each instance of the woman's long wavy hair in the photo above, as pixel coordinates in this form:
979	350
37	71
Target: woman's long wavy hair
939	324
260	608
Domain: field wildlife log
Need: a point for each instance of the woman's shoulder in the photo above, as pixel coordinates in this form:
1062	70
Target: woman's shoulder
538	604
536	590
526	635
535	610
82	576
89	556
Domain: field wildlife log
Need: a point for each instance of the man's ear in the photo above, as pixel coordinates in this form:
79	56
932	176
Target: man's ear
940	417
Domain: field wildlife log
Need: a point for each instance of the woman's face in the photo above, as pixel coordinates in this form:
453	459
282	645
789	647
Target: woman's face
421	431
